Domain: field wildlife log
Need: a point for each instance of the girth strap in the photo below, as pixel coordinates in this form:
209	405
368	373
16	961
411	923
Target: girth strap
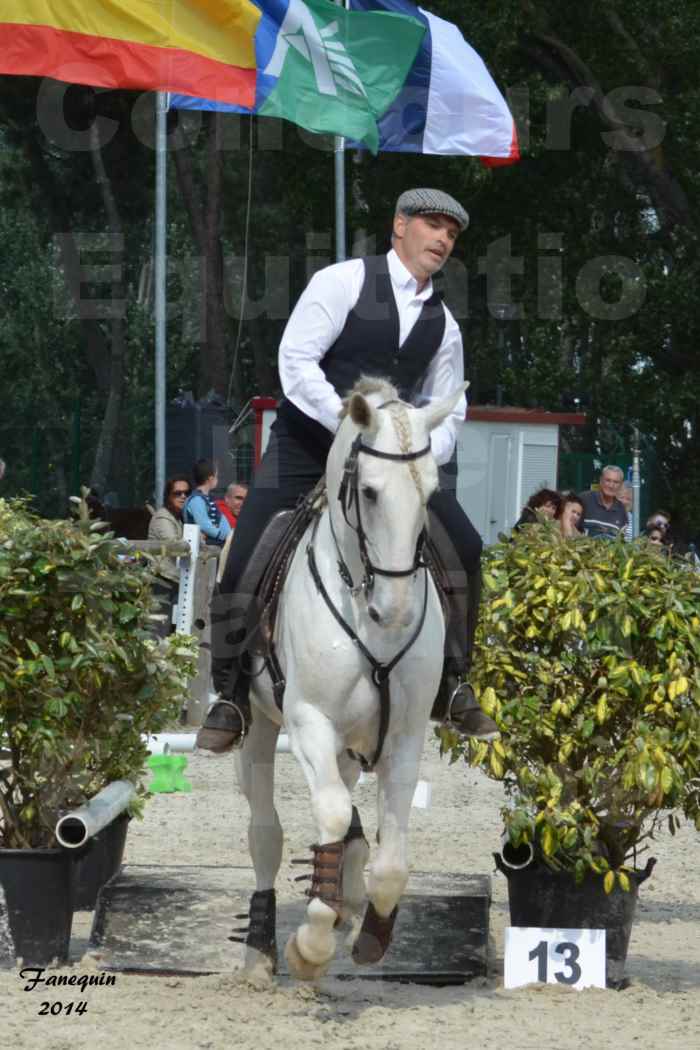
380	672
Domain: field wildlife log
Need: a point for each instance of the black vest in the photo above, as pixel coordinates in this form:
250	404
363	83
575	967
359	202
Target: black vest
369	344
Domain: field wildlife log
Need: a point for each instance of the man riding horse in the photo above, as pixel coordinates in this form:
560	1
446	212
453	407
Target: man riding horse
374	316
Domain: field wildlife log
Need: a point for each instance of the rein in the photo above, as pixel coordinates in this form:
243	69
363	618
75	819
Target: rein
347	494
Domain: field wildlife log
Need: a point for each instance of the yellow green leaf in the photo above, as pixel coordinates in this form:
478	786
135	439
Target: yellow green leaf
487	700
548	841
609	881
624	881
601	711
496	765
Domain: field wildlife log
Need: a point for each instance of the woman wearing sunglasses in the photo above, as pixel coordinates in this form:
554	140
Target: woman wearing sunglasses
166	525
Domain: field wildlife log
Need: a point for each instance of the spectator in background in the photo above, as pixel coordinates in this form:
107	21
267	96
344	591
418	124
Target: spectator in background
604	516
2	469
230	505
655	535
166	525
569	515
660	519
201	509
543	503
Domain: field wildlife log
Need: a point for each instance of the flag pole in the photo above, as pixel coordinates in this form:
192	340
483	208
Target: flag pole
340	230
339	182
162	104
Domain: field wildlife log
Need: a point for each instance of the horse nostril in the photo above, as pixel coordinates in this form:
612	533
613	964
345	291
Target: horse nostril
374	614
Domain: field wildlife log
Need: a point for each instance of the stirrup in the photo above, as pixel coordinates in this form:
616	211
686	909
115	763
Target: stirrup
245	721
482	726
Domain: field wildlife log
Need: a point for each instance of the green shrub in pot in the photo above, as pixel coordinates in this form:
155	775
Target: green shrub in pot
588	657
81	678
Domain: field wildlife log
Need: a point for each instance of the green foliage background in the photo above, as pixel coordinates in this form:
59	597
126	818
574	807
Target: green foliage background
571	202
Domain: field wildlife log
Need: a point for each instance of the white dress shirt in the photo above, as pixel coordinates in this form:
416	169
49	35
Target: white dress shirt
318	319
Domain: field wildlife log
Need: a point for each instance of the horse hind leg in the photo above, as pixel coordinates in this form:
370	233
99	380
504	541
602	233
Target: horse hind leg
260	934
397	775
356	850
354	863
255	772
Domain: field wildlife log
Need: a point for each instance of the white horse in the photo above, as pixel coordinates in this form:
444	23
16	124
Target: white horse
380	476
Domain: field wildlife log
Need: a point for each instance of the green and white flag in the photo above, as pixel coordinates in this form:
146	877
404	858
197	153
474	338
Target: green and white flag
338	71
327	69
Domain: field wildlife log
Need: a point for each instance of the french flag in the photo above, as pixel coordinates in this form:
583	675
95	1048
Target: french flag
449	104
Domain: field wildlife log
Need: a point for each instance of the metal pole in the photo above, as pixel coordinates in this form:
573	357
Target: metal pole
162	104
339	180
636	482
340	229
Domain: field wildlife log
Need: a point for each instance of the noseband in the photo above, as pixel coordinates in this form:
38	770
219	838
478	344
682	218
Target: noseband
348	494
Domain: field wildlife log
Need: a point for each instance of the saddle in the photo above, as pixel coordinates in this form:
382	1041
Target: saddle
267	569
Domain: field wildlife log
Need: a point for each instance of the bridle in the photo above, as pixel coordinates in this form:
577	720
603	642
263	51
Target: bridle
348	494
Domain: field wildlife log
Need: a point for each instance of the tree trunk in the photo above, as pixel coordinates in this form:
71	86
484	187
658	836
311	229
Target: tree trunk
116	311
205	223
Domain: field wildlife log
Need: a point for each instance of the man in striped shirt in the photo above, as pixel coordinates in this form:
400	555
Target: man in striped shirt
604	516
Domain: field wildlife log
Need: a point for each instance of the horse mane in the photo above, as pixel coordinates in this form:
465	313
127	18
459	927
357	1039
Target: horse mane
368	385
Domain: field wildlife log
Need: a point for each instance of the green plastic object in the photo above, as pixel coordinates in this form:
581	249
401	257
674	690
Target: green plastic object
168	774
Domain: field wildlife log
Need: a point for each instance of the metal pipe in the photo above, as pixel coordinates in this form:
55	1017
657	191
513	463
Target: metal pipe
74	829
516	857
185	743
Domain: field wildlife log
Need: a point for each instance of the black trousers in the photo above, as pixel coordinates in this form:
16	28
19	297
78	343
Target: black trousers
293	463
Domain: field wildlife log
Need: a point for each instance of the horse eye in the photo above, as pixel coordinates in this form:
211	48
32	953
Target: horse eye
369	493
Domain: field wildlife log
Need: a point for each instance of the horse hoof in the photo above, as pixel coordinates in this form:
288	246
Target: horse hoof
374	938
260	962
258	968
300	967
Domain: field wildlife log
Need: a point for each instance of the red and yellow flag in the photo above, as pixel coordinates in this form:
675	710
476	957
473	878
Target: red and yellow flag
194	47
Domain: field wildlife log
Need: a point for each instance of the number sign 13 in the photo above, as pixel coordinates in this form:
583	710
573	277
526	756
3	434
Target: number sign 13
573	958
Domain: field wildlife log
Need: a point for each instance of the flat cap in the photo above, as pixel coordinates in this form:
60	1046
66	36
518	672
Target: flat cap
425	202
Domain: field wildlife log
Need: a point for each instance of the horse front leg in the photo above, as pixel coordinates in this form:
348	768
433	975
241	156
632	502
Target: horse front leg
255	773
313	740
397	776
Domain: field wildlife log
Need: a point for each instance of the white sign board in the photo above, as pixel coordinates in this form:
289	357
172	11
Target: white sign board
573	958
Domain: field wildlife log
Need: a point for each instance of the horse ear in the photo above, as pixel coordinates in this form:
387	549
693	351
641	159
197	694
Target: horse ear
363	414
434	414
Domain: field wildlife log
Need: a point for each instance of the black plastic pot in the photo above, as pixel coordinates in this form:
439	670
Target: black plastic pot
36	905
99	861
541	897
